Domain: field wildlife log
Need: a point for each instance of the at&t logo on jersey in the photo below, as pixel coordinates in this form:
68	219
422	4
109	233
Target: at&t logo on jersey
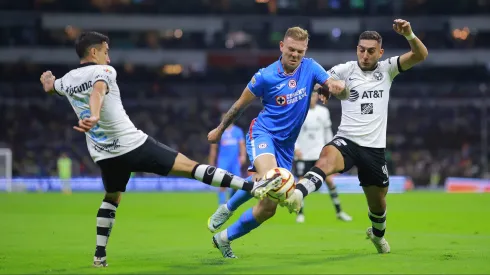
291	98
354	95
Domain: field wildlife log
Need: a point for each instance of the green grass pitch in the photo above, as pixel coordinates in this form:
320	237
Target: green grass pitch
434	233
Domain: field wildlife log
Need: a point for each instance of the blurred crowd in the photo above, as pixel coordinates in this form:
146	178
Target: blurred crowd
435	115
433	129
281	7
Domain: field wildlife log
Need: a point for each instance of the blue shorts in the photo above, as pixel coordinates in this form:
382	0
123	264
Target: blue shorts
232	166
261	142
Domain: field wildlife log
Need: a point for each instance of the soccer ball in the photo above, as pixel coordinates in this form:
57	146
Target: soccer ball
287	187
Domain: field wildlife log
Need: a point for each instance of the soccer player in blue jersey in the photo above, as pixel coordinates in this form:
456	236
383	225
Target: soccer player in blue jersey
284	88
230	155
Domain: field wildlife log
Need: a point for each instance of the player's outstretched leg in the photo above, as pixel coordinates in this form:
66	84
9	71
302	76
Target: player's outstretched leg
332	189
105	221
376	198
218	177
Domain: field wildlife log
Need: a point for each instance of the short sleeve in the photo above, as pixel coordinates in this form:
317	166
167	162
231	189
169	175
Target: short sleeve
58	87
319	73
257	84
106	74
340	71
392	66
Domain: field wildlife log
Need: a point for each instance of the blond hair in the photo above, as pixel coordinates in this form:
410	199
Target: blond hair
297	33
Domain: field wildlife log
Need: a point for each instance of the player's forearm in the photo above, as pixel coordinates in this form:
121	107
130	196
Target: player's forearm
418	49
343	95
232	115
96	101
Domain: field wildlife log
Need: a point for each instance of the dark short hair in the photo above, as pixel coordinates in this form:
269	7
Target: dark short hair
371	35
87	40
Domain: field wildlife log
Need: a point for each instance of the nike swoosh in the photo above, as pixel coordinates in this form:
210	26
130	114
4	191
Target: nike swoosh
350	78
217	225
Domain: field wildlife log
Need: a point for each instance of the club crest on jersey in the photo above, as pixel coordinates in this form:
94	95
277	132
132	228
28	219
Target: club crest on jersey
292	83
378	76
262	145
281	100
107	71
253	81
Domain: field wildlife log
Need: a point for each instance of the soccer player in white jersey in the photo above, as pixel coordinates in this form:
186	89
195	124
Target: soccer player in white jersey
361	138
116	145
315	133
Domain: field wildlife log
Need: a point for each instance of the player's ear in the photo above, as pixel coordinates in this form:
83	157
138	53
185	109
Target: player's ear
281	45
381	52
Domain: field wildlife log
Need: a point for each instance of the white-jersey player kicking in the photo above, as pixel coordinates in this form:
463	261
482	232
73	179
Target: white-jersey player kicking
315	133
361	138
116	145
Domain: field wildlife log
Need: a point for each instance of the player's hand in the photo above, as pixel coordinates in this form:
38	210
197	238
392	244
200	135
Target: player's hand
47	79
215	135
336	87
84	125
402	27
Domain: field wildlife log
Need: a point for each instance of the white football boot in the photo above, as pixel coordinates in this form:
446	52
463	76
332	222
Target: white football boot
380	243
223	246
344	216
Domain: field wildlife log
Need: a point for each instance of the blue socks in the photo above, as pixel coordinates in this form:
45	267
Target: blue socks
221	197
240	197
245	224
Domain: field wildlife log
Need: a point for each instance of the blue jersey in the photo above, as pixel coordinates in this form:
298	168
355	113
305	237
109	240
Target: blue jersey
286	97
229	146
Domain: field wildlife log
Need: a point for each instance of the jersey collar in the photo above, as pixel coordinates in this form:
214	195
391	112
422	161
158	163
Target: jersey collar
377	65
280	69
86	64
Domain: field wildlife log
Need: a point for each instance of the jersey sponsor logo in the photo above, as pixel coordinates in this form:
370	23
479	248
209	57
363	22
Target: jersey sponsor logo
281	100
354	95
262	145
378	76
292	83
107	71
70	90
372	94
367	108
107	147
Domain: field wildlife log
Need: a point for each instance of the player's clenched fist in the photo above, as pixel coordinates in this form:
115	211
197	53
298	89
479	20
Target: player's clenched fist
214	136
336	87
402	27
47	79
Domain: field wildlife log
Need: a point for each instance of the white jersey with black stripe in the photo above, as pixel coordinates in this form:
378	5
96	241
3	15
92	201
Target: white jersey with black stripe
365	112
114	134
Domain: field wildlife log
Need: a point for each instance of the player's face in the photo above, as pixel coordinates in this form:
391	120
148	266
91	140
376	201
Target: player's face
101	54
293	52
368	53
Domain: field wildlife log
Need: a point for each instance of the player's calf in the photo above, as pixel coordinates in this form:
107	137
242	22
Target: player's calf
105	221
376	199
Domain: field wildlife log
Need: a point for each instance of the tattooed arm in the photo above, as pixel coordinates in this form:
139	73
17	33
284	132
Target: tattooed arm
237	109
233	114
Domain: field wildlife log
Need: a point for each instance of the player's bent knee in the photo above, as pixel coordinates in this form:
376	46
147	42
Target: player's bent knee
183	165
331	160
